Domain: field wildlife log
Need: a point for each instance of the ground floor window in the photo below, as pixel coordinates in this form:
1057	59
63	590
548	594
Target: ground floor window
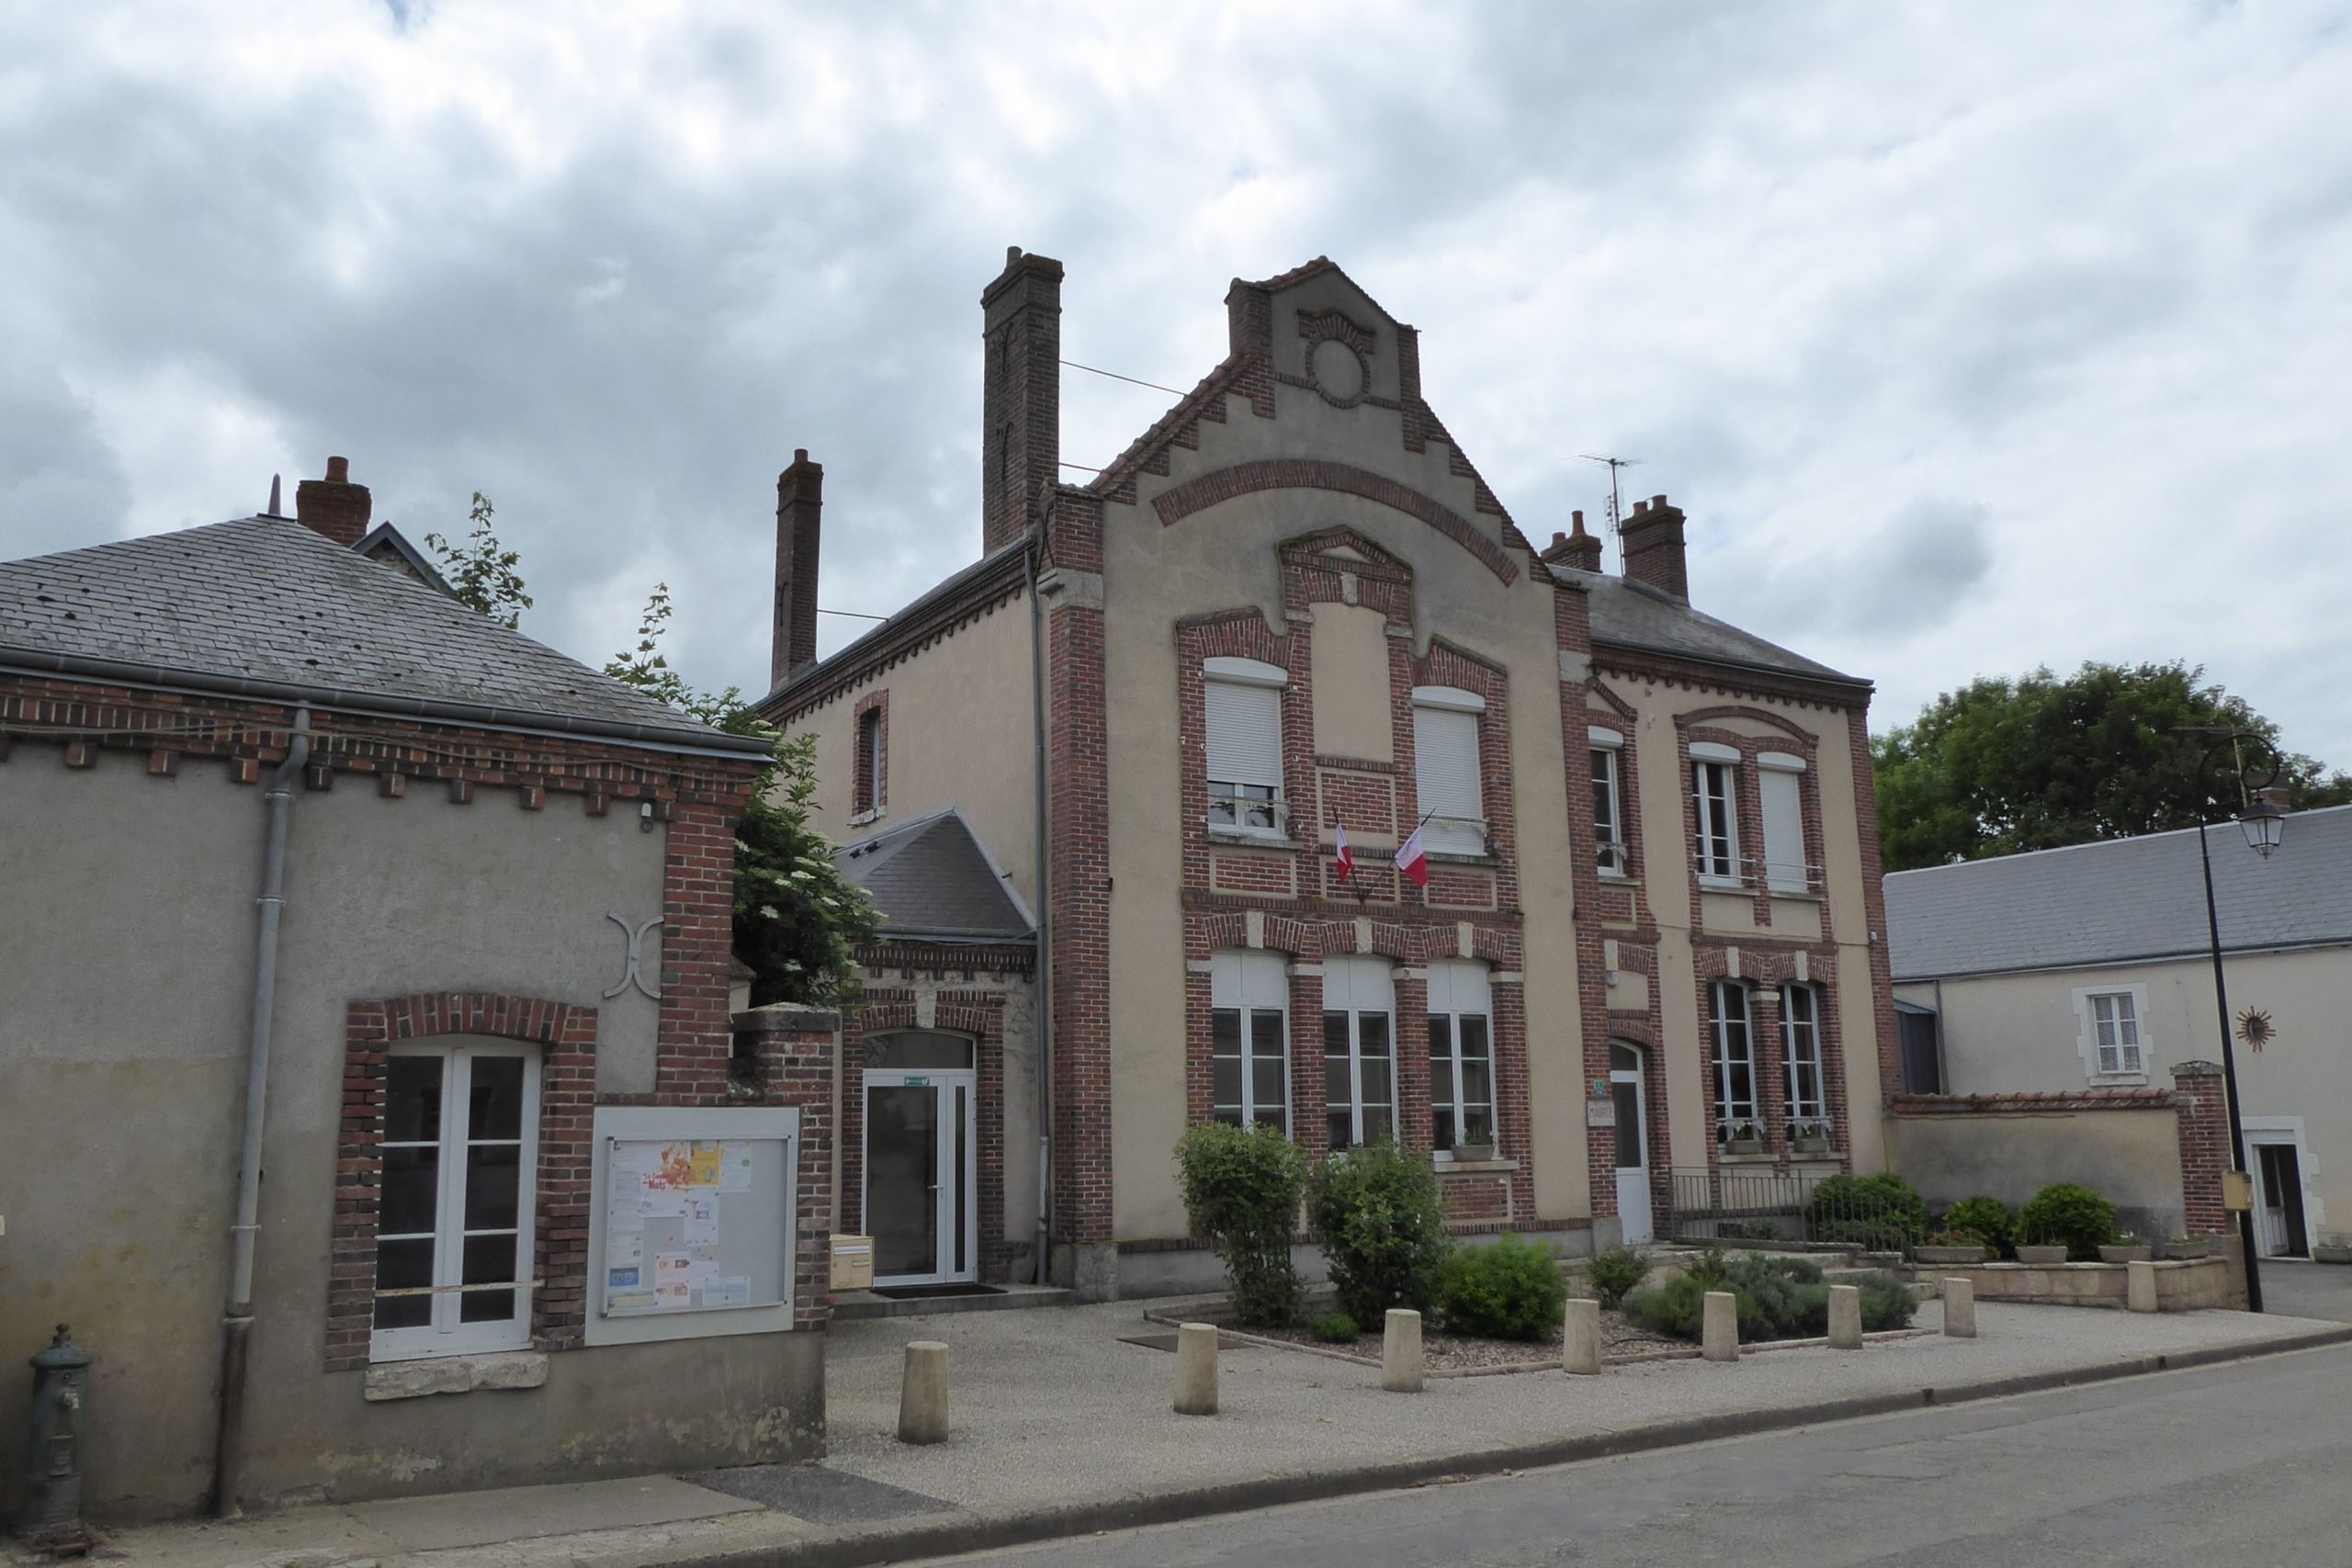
1462	1056
1734	1062
1801	1051
1249	1039
453	1226
1359	1055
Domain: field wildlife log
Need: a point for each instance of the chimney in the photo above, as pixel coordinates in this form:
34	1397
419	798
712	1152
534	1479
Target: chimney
799	497
1020	394
1578	550
1653	541
334	505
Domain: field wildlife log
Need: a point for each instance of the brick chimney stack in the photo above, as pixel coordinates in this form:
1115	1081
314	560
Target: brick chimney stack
334	505
1020	394
1653	541
1578	550
800	498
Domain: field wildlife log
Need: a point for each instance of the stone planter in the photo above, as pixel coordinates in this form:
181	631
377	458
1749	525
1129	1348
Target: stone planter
2181	1251
1809	1146
2042	1257
1947	1255
1745	1146
2126	1252
1470	1153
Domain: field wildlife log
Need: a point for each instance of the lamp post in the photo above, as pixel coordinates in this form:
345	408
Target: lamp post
2265	825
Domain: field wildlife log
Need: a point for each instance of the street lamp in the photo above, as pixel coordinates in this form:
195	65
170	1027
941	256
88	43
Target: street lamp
2264	825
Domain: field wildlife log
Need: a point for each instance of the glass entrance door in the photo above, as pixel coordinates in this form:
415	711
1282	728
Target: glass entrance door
921	1177
1632	1146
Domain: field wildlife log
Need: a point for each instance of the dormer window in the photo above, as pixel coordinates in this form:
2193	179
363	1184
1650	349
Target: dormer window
1243	704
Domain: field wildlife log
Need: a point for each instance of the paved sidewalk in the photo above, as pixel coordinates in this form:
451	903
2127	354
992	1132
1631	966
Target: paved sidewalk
1059	1426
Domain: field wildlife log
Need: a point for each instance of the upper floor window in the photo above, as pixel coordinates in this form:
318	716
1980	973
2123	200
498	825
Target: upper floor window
1715	788
1462	1056
2115	1034
1446	771
1608	801
1243	699
871	740
1779	786
453	1224
1801	1052
1734	1062
1248	1049
1358	1052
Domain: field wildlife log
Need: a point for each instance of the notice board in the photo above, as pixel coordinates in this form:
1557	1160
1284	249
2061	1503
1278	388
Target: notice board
693	1229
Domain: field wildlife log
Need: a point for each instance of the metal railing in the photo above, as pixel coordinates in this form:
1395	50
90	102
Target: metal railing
1725	1203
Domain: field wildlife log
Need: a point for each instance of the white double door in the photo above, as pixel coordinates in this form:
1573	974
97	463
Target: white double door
922	1176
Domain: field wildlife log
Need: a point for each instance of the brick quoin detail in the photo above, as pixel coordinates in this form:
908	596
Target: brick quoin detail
1312	473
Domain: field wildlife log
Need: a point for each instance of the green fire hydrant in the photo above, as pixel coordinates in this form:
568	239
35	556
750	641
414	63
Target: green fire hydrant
61	1387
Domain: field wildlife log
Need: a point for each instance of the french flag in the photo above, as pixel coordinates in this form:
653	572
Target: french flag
1411	862
1342	854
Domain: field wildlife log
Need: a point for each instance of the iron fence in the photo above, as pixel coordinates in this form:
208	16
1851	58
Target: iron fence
1723	1203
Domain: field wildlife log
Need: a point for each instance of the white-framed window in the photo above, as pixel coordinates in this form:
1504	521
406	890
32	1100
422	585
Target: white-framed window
1462	1056
2113	1039
1734	1062
1801	1054
1249	1039
1608	801
1243	703
1781	792
1358	1052
1446	774
453	1224
1715	775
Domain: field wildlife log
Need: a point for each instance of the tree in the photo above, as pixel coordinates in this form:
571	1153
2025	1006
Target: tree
482	572
798	921
2002	766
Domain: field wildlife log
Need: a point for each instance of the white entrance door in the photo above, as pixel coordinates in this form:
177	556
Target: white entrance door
1632	1148
2278	1228
920	1161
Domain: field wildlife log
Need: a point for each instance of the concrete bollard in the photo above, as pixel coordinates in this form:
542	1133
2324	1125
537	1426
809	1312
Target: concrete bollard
1196	1369
1580	1344
2140	1286
1719	1329
1959	1308
1845	1317
922	1393
1400	1353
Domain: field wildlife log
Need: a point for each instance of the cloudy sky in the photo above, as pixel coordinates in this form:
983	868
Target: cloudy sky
1973	336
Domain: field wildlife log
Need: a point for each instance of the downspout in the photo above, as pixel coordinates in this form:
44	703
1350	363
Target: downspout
238	1319
1044	972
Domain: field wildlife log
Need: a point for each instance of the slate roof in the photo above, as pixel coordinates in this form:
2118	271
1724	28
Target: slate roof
931	878
1635	615
265	606
2122	900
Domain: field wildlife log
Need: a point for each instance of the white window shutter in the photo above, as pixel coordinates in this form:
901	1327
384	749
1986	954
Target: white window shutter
1245	734
1445	769
1784	831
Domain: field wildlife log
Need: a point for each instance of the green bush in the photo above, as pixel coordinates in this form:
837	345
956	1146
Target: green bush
1986	1219
2065	1214
1510	1289
1382	1224
1777	1298
1241	1189
1614	1272
1880	1212
1338	1328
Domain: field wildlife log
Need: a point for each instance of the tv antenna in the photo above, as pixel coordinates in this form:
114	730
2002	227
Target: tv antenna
1616	502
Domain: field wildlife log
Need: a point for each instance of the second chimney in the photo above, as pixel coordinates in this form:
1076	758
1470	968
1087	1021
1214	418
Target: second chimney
1653	541
1578	550
1020	394
334	505
800	498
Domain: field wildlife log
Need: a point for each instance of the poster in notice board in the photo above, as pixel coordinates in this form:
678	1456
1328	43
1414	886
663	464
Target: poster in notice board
694	1225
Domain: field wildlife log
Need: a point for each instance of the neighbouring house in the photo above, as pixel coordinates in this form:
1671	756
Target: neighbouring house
1639	943
2074	982
514	1197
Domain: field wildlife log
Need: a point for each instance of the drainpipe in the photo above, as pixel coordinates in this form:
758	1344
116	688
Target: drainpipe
278	799
1045	987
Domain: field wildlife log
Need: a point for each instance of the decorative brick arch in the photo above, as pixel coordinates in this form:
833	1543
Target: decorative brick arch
566	1031
1313	473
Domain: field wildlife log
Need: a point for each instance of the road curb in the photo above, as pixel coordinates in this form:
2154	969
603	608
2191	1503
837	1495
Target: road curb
964	1533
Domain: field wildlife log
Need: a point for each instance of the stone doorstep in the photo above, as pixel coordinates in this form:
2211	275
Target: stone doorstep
852	1305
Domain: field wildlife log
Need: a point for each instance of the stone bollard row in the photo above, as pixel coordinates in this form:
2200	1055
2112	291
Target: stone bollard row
1719	1328
1845	1317
1400	1353
922	1393
1196	1369
1580	1344
1959	1308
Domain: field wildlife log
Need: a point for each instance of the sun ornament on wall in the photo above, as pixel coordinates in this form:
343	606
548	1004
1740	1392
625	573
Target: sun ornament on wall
2256	1029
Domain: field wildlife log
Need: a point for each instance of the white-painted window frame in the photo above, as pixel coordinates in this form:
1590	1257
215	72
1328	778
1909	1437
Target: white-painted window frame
1245	792
1359	997
1714	790
1454	805
1731	1036
1789	867
1608	757
1251	985
447	1335
1801	1052
2086	1037
1460	989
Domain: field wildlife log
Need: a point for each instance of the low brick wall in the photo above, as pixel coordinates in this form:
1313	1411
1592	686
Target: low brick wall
2186	1286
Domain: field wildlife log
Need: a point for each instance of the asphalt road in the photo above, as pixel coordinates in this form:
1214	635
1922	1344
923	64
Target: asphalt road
2236	1466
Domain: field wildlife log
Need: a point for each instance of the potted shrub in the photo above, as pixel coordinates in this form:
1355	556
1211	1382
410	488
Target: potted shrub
2072	1218
2184	1248
1809	1136
1987	1220
1950	1246
2127	1248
